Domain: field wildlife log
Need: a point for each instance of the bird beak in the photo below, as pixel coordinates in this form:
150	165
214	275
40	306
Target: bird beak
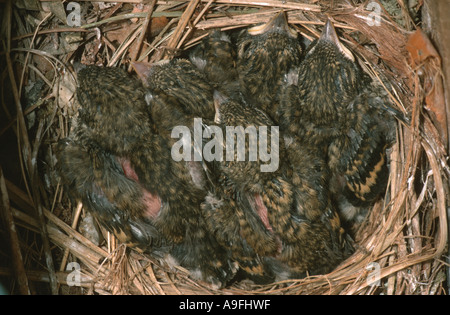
329	34
277	23
144	69
219	99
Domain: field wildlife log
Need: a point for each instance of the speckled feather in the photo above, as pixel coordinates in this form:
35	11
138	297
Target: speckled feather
216	58
264	58
180	79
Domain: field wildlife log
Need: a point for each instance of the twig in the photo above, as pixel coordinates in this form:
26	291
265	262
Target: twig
16	255
185	18
28	53
27	154
172	285
441	208
73	226
154	280
259	16
267	3
123	48
197	19
37	275
44	235
54	30
42	53
142	34
99	253
22	130
274	4
39	210
128	16
158	41
26	112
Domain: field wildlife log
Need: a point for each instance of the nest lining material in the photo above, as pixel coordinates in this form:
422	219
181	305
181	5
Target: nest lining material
402	243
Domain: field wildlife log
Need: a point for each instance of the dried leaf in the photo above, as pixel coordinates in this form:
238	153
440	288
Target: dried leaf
420	48
65	90
424	55
57	8
34	5
157	24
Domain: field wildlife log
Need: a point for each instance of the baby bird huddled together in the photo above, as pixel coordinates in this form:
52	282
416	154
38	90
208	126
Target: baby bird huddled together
245	160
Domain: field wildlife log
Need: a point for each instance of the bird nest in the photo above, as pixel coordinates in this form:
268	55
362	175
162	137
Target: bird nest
401	247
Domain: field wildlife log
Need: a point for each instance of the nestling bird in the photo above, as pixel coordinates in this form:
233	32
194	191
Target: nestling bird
123	172
94	162
118	202
265	54
176	93
216	58
275	229
182	82
330	103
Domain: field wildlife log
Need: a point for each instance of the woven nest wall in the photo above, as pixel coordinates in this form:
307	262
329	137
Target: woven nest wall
402	244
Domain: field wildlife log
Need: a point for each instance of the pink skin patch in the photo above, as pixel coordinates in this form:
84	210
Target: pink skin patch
128	170
261	210
151	202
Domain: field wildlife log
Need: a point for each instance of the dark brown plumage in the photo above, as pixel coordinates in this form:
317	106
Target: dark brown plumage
265	55
118	164
117	200
216	58
94	163
181	81
331	104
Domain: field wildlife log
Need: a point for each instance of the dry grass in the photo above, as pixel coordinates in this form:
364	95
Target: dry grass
405	235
